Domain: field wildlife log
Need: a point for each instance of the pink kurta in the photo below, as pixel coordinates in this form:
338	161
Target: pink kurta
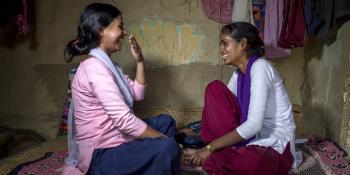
102	117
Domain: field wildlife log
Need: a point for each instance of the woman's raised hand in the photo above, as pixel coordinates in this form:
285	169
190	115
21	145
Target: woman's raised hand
135	49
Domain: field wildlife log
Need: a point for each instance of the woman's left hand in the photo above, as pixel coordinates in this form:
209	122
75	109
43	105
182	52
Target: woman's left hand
135	49
200	156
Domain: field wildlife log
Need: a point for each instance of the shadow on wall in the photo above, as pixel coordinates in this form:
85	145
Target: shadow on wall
313	120
326	69
313	49
314	114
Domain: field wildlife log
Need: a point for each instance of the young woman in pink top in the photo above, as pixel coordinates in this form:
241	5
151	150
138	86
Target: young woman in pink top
110	139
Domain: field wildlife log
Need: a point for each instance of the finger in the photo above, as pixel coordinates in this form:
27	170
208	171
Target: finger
132	40
190	158
194	160
187	162
134	45
189	152
131	36
197	163
193	156
200	162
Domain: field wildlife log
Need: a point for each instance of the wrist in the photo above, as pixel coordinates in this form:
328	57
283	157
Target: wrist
139	58
209	148
140	61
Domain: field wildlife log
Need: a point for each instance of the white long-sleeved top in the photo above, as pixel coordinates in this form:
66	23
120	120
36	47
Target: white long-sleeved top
270	115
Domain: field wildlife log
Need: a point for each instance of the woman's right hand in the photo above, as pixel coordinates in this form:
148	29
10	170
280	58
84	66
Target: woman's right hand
199	156
135	49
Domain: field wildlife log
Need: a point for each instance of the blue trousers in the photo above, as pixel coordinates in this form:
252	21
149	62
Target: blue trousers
150	156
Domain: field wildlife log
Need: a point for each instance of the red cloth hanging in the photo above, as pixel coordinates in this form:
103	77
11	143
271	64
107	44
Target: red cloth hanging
218	10
293	32
22	19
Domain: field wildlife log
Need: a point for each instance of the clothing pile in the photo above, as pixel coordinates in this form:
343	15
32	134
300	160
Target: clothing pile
283	24
15	10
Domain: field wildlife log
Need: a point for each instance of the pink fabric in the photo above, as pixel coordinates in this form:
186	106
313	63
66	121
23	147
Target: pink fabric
220	116
273	26
218	10
70	170
103	119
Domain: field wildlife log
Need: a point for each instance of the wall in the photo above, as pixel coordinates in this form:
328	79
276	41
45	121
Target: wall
180	46
325	91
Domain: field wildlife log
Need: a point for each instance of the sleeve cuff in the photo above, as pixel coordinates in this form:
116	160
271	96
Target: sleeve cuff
139	91
241	133
141	128
139	85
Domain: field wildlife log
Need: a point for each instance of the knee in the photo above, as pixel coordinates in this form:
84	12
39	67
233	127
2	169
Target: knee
167	120
214	86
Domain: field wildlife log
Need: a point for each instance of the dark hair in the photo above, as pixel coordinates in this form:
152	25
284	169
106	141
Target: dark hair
95	17
239	30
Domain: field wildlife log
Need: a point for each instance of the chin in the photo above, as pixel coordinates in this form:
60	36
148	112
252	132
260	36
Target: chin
116	49
229	63
226	62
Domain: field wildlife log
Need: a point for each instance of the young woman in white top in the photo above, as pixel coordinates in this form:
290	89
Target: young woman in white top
247	125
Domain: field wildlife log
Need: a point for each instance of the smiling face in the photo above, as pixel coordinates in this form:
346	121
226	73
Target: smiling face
112	36
230	50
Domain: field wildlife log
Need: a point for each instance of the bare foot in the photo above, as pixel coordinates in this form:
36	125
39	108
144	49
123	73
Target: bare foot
191	168
185	154
186	164
189	151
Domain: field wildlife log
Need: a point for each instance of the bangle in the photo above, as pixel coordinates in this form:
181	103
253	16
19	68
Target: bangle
210	148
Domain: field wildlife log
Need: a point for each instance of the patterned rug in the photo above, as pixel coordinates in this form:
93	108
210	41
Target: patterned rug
50	164
331	157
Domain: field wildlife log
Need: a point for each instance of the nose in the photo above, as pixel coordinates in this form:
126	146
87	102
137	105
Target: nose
221	49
